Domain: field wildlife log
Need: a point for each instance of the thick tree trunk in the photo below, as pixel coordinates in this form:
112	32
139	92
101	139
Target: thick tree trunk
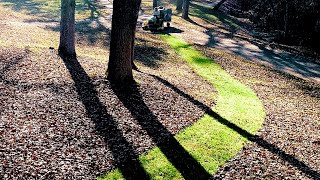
217	6
286	17
185	11
67	28
274	14
124	20
179	5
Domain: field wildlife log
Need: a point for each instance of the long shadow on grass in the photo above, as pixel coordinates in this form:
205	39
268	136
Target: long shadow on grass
189	167
33	7
106	126
308	171
92	7
214	16
257	50
48	9
91	31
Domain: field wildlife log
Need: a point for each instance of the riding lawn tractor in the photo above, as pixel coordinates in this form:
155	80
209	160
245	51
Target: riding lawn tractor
159	17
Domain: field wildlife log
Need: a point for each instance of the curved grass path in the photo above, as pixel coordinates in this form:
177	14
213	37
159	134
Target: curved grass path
209	141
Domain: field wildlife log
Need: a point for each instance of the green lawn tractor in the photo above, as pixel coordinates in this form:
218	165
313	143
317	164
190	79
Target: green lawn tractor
159	18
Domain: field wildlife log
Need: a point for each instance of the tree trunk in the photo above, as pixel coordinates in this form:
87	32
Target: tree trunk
155	3
217	6
67	28
179	5
286	17
185	11
124	20
274	14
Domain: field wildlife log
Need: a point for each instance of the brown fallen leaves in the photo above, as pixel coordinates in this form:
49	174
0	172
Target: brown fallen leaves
45	129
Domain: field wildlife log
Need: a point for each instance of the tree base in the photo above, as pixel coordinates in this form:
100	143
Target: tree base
65	54
121	82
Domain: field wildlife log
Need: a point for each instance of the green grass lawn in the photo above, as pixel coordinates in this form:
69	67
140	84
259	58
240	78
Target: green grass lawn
208	141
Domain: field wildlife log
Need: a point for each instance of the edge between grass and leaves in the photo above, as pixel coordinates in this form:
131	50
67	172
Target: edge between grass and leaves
208	141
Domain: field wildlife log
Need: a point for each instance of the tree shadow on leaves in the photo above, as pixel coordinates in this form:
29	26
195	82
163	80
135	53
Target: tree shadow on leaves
105	125
89	31
189	167
149	55
168	30
303	167
93	7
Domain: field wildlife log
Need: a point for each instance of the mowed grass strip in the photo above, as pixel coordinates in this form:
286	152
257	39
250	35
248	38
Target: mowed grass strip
208	141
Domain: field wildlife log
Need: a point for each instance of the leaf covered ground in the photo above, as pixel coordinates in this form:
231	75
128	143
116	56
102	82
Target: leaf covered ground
49	111
49	129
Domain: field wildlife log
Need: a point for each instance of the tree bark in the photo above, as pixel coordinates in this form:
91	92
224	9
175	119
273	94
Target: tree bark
124	20
67	28
274	14
286	17
179	5
185	11
155	3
